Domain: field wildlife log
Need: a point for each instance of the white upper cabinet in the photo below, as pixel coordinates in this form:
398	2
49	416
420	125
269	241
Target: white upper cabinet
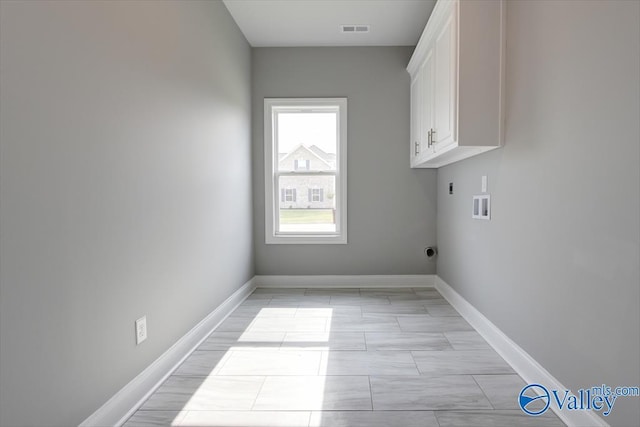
427	114
457	83
416	113
444	95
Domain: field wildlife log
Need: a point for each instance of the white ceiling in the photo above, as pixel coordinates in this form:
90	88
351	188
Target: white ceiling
317	22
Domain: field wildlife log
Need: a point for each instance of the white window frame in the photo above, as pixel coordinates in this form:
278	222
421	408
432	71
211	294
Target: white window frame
272	197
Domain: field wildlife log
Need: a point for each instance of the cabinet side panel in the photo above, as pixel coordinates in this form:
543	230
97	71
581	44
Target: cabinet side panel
479	75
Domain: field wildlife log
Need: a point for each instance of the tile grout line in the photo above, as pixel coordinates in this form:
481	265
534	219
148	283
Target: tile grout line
482	390
414	362
448	340
370	392
320	364
435	415
264	380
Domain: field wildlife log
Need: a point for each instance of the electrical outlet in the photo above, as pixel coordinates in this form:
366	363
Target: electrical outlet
141	329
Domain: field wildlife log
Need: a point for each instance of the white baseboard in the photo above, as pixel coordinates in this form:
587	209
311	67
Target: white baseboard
339	281
525	365
125	402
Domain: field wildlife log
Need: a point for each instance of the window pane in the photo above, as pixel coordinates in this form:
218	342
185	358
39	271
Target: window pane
306	148
307	141
307	203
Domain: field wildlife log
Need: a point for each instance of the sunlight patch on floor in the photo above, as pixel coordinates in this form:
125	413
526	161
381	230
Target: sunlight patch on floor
257	338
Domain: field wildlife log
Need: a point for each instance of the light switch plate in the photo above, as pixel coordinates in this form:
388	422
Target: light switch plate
484	183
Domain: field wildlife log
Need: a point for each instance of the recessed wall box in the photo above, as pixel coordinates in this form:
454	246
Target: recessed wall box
481	207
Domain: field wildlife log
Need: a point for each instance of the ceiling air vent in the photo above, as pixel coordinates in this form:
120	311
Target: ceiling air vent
352	29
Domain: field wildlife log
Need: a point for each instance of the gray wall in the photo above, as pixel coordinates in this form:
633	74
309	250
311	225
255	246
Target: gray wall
125	191
556	268
391	208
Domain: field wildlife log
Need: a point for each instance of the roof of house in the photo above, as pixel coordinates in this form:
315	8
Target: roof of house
323	156
329	157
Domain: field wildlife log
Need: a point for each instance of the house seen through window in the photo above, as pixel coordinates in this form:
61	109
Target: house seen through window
305	160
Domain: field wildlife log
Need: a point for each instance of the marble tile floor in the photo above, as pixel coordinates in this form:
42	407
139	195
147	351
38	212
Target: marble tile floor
341	357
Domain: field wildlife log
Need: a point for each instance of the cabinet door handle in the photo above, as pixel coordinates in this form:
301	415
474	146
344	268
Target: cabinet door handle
429	143
417	148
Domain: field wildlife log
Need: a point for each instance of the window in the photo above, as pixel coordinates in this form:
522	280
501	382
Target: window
288	194
301	165
305	170
315	194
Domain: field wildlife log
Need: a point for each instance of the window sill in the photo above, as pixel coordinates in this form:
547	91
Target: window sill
306	240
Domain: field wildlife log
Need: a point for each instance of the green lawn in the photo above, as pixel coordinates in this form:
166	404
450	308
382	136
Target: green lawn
306	216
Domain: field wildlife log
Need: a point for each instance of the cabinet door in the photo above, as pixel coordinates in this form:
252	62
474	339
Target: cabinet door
416	124
428	101
445	47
